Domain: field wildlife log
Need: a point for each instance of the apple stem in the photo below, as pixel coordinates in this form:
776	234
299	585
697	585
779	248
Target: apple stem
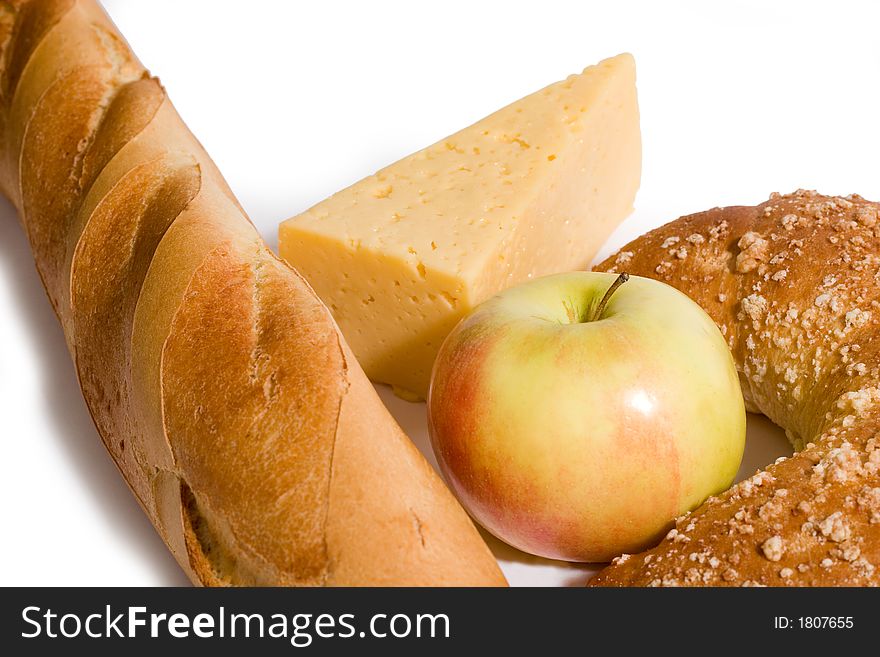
620	280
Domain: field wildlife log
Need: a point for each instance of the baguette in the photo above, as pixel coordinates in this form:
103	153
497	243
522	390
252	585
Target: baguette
217	380
793	283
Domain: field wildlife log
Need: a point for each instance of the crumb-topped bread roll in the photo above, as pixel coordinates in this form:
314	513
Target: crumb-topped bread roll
794	285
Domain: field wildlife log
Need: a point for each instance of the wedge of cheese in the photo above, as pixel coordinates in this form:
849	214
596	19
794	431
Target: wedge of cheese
533	189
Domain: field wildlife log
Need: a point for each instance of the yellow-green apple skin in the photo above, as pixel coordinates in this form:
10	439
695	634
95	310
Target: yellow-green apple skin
580	440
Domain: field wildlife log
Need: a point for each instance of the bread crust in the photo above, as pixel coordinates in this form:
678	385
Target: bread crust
217	380
793	284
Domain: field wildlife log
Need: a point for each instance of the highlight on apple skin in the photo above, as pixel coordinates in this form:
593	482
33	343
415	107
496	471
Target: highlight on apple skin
575	430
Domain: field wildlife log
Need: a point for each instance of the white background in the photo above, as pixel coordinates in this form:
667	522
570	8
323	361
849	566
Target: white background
297	100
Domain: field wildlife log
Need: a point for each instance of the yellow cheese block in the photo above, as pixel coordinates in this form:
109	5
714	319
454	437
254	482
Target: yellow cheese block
533	189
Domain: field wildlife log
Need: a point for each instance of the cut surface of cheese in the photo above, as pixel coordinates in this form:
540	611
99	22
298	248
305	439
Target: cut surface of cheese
532	189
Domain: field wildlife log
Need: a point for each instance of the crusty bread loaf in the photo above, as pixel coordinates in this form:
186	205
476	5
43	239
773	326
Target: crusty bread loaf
217	380
793	284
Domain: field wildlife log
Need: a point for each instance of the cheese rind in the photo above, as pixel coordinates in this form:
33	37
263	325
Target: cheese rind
533	189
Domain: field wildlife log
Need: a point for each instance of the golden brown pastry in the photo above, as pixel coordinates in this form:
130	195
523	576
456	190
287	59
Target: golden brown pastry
794	285
218	381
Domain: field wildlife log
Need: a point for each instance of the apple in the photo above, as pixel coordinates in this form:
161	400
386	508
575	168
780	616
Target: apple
576	415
